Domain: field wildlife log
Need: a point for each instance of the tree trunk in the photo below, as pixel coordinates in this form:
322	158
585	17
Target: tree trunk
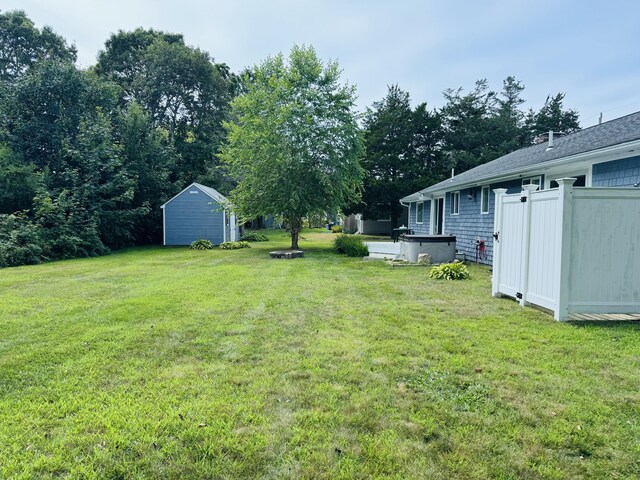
295	225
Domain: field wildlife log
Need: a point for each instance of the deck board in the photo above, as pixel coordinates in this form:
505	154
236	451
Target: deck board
604	317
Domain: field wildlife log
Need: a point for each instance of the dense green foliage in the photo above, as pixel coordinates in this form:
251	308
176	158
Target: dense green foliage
294	144
482	125
88	156
336	228
409	149
234	245
202	244
403	154
449	271
22	45
351	245
254	237
179	364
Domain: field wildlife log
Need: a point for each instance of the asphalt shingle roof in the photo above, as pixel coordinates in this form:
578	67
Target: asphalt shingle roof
620	130
213	193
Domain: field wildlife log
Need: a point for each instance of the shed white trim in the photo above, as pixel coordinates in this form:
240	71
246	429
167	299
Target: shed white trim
164	228
208	191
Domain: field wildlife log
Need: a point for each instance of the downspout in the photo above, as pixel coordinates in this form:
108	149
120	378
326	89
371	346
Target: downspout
408	213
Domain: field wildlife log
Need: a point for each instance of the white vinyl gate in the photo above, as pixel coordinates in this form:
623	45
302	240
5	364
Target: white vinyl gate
569	250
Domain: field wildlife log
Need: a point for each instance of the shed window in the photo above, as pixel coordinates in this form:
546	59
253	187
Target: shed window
455	203
484	199
419	212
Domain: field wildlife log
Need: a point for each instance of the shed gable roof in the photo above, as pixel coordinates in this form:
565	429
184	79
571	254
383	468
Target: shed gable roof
210	192
614	132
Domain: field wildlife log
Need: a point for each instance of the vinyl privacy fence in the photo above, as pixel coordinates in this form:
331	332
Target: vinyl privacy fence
569	250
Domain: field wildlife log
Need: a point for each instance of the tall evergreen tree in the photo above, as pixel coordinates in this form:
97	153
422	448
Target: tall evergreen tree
402	153
551	117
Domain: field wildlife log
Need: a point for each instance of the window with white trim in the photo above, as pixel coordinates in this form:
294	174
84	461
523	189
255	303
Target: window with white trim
419	212
484	199
532	181
455	203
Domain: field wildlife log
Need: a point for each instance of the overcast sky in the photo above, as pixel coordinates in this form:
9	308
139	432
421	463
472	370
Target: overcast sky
587	49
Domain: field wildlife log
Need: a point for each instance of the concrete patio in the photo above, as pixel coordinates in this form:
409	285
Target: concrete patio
383	250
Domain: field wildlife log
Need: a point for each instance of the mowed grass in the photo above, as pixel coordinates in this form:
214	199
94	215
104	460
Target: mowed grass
172	363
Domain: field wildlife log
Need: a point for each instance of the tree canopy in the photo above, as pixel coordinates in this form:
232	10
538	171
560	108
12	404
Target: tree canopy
22	45
294	144
402	154
87	156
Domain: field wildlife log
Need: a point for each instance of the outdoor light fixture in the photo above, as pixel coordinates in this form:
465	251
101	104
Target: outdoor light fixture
472	194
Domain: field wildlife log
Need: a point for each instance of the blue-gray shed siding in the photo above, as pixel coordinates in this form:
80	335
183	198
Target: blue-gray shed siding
617	173
192	216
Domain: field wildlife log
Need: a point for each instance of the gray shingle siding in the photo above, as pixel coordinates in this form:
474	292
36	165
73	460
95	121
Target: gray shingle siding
423	228
470	224
617	173
192	216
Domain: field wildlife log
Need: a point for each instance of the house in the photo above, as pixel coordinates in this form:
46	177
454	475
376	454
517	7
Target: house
605	155
198	212
382	226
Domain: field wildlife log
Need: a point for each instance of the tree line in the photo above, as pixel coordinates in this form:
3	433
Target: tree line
87	156
408	149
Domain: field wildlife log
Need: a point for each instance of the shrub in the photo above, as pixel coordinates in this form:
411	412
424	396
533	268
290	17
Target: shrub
254	237
201	244
450	271
351	245
336	228
19	241
67	229
234	245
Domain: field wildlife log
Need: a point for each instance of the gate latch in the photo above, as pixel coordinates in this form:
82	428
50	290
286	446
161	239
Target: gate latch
519	296
523	199
496	235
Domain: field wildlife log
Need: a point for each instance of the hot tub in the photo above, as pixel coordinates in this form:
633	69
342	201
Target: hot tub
442	248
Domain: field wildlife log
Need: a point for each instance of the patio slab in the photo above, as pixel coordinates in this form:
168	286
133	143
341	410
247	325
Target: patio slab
383	250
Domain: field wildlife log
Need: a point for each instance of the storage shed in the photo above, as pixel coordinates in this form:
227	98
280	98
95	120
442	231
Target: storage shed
198	212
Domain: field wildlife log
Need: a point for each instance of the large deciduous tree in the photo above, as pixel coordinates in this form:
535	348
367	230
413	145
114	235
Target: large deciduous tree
295	145
22	45
181	88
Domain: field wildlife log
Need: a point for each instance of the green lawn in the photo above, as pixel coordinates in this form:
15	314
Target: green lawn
172	363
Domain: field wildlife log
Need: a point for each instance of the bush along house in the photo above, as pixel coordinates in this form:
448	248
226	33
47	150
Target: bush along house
605	155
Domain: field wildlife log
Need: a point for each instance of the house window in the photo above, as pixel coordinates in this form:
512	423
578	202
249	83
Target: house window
581	181
532	181
455	203
484	199
419	212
